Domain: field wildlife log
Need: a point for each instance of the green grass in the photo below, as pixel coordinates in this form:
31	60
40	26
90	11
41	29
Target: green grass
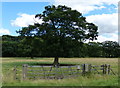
92	80
81	81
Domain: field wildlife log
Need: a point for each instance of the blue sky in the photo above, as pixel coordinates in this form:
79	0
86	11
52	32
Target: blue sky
108	10
10	11
103	14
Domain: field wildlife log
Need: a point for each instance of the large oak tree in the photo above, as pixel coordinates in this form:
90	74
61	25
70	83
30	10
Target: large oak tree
62	30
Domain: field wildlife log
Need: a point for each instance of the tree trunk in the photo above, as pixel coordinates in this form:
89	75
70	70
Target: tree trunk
32	57
56	62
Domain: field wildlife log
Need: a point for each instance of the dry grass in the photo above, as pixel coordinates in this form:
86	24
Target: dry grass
74	60
5	60
91	60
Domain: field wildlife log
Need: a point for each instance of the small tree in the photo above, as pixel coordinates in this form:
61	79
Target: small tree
61	30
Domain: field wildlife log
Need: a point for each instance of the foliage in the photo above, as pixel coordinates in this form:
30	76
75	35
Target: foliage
61	34
63	31
94	49
111	49
28	46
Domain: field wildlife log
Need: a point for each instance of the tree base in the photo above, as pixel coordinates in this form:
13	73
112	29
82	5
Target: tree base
56	62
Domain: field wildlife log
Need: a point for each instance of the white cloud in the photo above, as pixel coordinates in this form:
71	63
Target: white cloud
85	6
107	23
24	20
107	26
4	31
119	39
112	37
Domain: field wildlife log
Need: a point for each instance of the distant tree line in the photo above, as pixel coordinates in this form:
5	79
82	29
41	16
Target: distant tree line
17	46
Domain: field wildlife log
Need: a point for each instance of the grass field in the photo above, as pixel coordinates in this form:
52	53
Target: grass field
92	80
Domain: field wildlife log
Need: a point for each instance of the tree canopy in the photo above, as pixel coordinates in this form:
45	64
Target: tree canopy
14	46
61	34
62	30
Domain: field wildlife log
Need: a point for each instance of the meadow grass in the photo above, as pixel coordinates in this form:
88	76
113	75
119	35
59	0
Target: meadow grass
91	80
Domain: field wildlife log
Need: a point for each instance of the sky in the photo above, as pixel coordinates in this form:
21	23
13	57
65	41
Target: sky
103	13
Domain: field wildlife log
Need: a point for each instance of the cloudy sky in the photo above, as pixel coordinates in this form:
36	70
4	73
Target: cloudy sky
103	13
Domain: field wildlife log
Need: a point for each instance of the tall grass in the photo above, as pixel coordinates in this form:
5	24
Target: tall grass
96	80
91	80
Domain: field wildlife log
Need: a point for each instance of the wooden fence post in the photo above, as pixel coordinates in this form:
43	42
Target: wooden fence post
86	68
25	71
108	67
83	69
104	69
15	72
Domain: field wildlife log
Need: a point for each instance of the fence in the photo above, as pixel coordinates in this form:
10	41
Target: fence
51	72
48	72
